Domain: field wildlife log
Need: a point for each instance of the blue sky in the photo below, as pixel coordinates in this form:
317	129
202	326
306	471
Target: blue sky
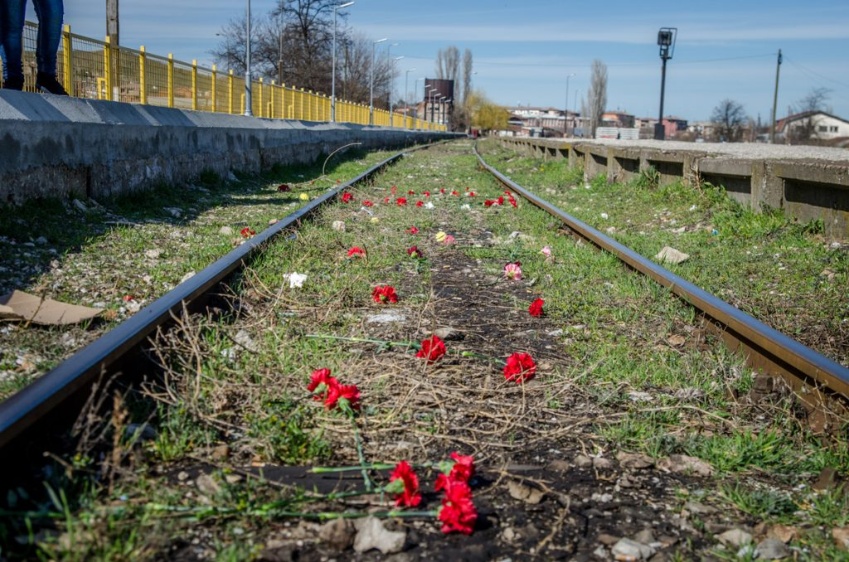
525	49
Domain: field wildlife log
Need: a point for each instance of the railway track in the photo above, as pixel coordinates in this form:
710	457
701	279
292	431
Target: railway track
821	383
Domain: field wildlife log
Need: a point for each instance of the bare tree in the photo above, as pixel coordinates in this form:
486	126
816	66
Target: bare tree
729	120
597	96
807	108
448	63
467	74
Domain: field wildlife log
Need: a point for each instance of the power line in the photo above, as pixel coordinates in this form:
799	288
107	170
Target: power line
815	73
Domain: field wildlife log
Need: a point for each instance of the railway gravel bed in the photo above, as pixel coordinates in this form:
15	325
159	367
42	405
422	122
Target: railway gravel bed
636	436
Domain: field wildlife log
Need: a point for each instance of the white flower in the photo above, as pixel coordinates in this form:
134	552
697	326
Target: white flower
428	205
295	279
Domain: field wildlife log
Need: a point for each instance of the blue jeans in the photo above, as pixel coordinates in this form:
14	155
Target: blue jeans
12	17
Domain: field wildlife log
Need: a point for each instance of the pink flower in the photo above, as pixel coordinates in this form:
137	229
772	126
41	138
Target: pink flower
536	308
394	189
520	367
513	270
546	251
449	239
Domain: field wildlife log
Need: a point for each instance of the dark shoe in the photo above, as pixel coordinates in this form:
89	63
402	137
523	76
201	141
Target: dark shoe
13	83
46	83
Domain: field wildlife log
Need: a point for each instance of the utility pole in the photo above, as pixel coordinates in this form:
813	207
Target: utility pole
775	100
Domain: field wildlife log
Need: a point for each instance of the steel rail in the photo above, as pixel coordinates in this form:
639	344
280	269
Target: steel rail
30	404
809	373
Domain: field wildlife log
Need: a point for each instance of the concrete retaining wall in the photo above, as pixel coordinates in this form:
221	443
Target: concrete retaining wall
53	146
807	182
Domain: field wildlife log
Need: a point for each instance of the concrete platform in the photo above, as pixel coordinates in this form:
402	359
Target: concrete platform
56	146
807	182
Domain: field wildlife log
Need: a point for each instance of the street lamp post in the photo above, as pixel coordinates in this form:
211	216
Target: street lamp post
248	100
666	40
371	82
566	113
391	84
333	71
432	98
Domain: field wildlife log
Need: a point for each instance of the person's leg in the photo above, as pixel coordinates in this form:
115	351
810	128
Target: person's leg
50	14
12	14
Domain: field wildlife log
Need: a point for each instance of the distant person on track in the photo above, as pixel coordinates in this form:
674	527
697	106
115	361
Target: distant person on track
12	19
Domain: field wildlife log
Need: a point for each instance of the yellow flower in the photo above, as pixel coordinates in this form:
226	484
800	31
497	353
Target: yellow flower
440	236
304	197
375	220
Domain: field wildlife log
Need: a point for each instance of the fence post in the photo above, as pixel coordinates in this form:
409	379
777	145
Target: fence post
170	80
107	67
194	84
142	76
212	92
259	101
230	92
67	72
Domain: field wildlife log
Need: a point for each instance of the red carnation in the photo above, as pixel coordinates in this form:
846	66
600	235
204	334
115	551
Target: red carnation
247	232
427	193
536	308
455	193
520	367
282	187
409	495
500	200
457	512
442	190
513	202
319	377
411	192
488	203
412	230
356	252
401	201
384	294
419	203
464	467
341	395
347	197
414	252
367	203
433	348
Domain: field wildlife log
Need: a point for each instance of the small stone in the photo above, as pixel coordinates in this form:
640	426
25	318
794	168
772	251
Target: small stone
448	333
182	476
699	508
634	460
671	255
607	540
207	485
372	534
337	533
225	230
338	226
525	493
735	537
153	253
683	464
646	536
772	549
841	537
559	466
508	534
233	478
631	551
602	463
784	533
583	461
220	452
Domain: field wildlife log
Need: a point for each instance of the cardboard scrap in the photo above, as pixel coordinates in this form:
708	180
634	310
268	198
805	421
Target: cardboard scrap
20	306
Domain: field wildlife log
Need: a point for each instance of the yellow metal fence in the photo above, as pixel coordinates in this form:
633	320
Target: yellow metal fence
94	69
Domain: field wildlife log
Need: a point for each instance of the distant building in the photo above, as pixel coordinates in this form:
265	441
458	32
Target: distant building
812	125
618	119
543	122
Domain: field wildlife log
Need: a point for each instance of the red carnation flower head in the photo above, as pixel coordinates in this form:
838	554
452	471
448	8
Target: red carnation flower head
427	193
356	252
536	308
347	197
367	203
405	485
419	203
342	396
384	294
401	201
386	200
411	192
471	194
464	467
455	193
414	252
432	349
520	367
513	202
488	203
412	230
394	189
320	383
282	188
500	200
247	232
457	512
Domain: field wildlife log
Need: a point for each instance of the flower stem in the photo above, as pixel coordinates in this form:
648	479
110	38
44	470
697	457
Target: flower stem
360	455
